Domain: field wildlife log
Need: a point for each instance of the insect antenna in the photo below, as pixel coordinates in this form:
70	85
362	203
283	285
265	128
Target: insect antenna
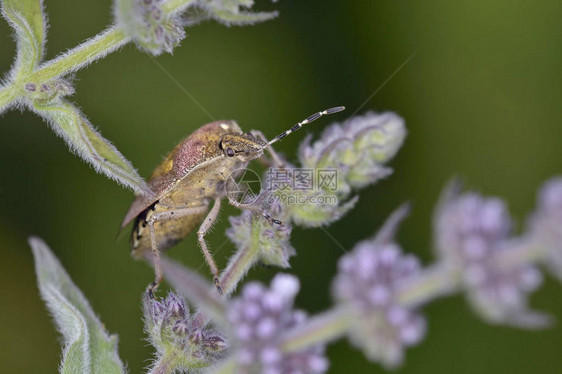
309	119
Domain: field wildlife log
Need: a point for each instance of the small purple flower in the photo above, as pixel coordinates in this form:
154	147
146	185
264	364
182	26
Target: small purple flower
473	236
546	225
259	316
367	281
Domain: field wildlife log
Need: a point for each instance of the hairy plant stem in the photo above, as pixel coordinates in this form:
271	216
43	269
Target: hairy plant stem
163	365
525	251
240	263
7	95
322	328
76	58
435	281
173	6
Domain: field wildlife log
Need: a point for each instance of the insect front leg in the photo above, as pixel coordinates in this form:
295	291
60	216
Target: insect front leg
205	227
277	160
160	217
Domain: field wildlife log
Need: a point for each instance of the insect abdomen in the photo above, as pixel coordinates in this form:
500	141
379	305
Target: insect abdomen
167	233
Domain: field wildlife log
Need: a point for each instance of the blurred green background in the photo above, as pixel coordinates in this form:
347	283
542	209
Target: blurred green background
481	100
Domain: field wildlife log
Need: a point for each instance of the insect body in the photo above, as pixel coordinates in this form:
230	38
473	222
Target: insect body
189	181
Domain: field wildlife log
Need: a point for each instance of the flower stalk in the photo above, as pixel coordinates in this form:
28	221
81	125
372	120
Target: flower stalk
175	6
84	54
433	282
239	265
326	327
7	96
164	365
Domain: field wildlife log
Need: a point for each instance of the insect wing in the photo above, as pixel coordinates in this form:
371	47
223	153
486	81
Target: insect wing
200	146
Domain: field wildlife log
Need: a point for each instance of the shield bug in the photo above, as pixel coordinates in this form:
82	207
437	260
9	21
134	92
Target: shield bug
189	180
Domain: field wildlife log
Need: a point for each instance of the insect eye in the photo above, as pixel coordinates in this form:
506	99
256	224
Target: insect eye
229	152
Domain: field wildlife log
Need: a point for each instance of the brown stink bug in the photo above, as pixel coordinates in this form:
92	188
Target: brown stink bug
188	180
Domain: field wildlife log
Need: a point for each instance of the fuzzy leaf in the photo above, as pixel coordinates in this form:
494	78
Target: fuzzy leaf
28	20
88	346
70	124
229	12
242	18
194	288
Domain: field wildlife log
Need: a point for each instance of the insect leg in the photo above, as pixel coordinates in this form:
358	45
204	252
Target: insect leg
205	227
159	217
277	160
255	209
156	260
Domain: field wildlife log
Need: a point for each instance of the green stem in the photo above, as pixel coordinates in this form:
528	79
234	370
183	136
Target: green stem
164	365
7	95
523	251
333	324
323	328
435	281
174	6
441	280
240	263
84	54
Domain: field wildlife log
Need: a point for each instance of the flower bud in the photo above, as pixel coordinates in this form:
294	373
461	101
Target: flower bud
178	337
148	22
45	93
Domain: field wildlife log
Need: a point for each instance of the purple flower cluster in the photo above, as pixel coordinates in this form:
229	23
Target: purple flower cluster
148	23
259	316
174	333
473	236
367	281
253	231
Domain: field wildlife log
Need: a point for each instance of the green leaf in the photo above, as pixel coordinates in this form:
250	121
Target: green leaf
195	289
242	18
70	124
228	12
88	347
28	20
